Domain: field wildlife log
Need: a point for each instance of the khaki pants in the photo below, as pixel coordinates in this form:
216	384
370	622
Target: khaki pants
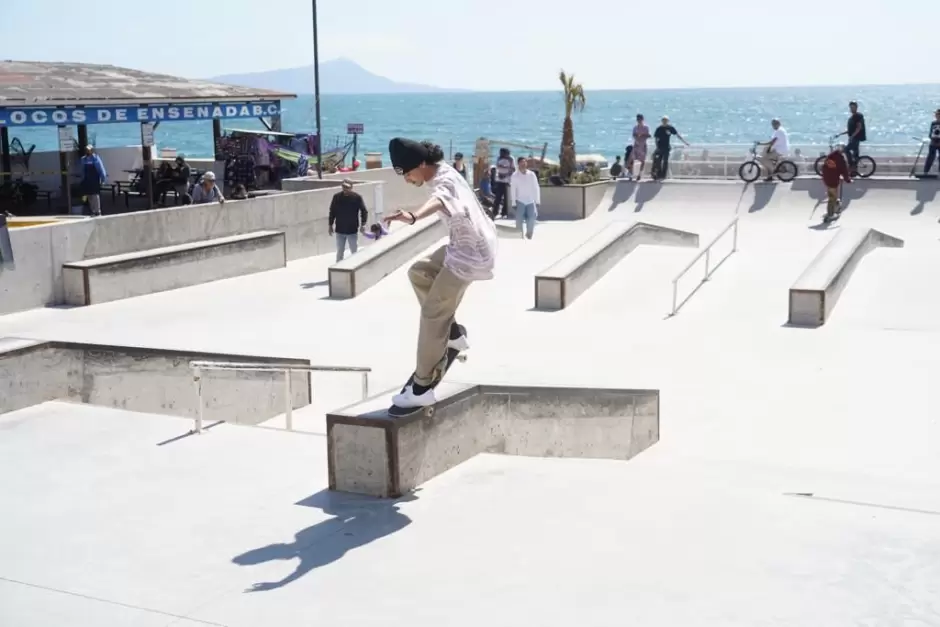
768	162
832	198
439	293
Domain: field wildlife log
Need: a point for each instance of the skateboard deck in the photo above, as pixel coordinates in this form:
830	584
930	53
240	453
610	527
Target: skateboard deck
829	220
453	355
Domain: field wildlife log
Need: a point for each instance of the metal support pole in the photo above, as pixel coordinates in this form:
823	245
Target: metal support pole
289	402
675	292
708	258
197	376
316	92
365	385
734	243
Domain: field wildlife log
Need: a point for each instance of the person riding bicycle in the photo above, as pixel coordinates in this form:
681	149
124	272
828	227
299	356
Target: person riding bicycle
777	148
834	170
855	131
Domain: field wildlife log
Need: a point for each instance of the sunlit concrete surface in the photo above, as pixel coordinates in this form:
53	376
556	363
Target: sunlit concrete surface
109	518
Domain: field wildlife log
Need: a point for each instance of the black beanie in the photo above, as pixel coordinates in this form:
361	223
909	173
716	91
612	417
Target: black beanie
406	154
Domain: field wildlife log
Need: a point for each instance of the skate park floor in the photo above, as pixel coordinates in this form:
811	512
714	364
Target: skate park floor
795	481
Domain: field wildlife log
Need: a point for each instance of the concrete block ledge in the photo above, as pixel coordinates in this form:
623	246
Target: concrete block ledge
356	273
371	453
817	290
150	380
106	279
558	286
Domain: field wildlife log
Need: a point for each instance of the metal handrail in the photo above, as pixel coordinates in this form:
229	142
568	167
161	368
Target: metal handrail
287	369
707	253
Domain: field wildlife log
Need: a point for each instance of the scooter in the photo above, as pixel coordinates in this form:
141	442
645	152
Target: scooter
923	142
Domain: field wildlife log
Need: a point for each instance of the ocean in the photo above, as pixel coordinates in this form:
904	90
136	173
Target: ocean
895	114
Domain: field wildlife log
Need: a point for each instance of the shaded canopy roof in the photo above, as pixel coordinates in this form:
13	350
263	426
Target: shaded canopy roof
35	83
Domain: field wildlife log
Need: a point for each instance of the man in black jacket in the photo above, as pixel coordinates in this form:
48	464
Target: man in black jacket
348	218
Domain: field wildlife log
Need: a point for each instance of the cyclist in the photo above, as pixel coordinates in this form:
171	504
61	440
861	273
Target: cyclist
777	148
855	132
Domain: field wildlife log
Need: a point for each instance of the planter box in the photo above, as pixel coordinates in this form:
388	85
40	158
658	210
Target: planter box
571	202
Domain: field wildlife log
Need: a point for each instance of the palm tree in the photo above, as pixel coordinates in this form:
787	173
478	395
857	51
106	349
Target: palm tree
574	101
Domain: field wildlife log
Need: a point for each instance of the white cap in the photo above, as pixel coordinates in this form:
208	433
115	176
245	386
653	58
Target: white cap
209	176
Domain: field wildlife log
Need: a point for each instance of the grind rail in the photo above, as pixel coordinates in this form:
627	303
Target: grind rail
709	269
199	367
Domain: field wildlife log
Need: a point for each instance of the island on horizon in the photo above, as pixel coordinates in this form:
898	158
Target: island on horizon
337	76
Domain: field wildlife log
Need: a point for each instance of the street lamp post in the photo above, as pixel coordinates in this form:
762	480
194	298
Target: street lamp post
316	92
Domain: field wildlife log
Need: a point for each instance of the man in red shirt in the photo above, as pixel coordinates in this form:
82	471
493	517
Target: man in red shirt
834	169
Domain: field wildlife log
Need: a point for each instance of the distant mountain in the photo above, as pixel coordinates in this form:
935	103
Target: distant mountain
338	76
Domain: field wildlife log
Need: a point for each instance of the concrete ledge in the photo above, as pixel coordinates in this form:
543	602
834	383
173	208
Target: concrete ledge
112	278
559	285
816	292
143	379
571	202
507	231
370	453
356	273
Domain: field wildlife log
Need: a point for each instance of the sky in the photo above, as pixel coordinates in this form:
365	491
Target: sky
497	45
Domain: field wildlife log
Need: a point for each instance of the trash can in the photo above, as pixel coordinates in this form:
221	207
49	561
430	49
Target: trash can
373	160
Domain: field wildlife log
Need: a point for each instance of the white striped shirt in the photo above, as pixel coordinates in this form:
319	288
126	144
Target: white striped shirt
471	252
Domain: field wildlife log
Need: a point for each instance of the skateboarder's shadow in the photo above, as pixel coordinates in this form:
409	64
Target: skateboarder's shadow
356	521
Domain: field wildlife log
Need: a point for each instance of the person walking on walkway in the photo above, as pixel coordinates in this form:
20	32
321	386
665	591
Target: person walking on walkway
441	279
641	133
527	196
93	177
504	170
348	218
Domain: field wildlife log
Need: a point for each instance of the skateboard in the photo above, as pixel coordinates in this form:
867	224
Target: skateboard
829	220
453	355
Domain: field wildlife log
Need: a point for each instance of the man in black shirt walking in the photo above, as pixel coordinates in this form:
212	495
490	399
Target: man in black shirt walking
348	218
856	133
662	135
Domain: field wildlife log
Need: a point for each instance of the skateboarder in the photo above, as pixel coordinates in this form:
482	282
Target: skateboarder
834	169
441	279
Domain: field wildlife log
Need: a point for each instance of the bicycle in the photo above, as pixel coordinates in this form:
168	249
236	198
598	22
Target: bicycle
750	170
864	167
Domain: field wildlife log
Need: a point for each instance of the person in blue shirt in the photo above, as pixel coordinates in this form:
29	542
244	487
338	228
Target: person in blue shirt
93	176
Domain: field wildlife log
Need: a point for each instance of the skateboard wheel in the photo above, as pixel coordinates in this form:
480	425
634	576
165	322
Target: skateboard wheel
429	412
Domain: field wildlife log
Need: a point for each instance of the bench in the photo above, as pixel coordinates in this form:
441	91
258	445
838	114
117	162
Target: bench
559	285
356	273
105	279
817	290
370	453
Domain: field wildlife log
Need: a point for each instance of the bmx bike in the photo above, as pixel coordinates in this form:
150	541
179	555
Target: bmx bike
750	170
865	166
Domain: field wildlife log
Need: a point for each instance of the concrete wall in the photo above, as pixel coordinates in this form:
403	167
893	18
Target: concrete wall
571	202
142	379
397	193
40	251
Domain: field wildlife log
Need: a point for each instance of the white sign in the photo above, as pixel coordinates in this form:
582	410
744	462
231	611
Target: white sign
146	134
66	143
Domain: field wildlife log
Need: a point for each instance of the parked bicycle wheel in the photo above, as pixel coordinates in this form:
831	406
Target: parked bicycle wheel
786	171
749	171
818	166
866	166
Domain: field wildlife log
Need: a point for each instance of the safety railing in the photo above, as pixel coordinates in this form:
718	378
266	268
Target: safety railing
199	366
709	269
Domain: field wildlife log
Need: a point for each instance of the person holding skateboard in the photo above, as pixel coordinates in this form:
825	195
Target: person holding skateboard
834	170
441	279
